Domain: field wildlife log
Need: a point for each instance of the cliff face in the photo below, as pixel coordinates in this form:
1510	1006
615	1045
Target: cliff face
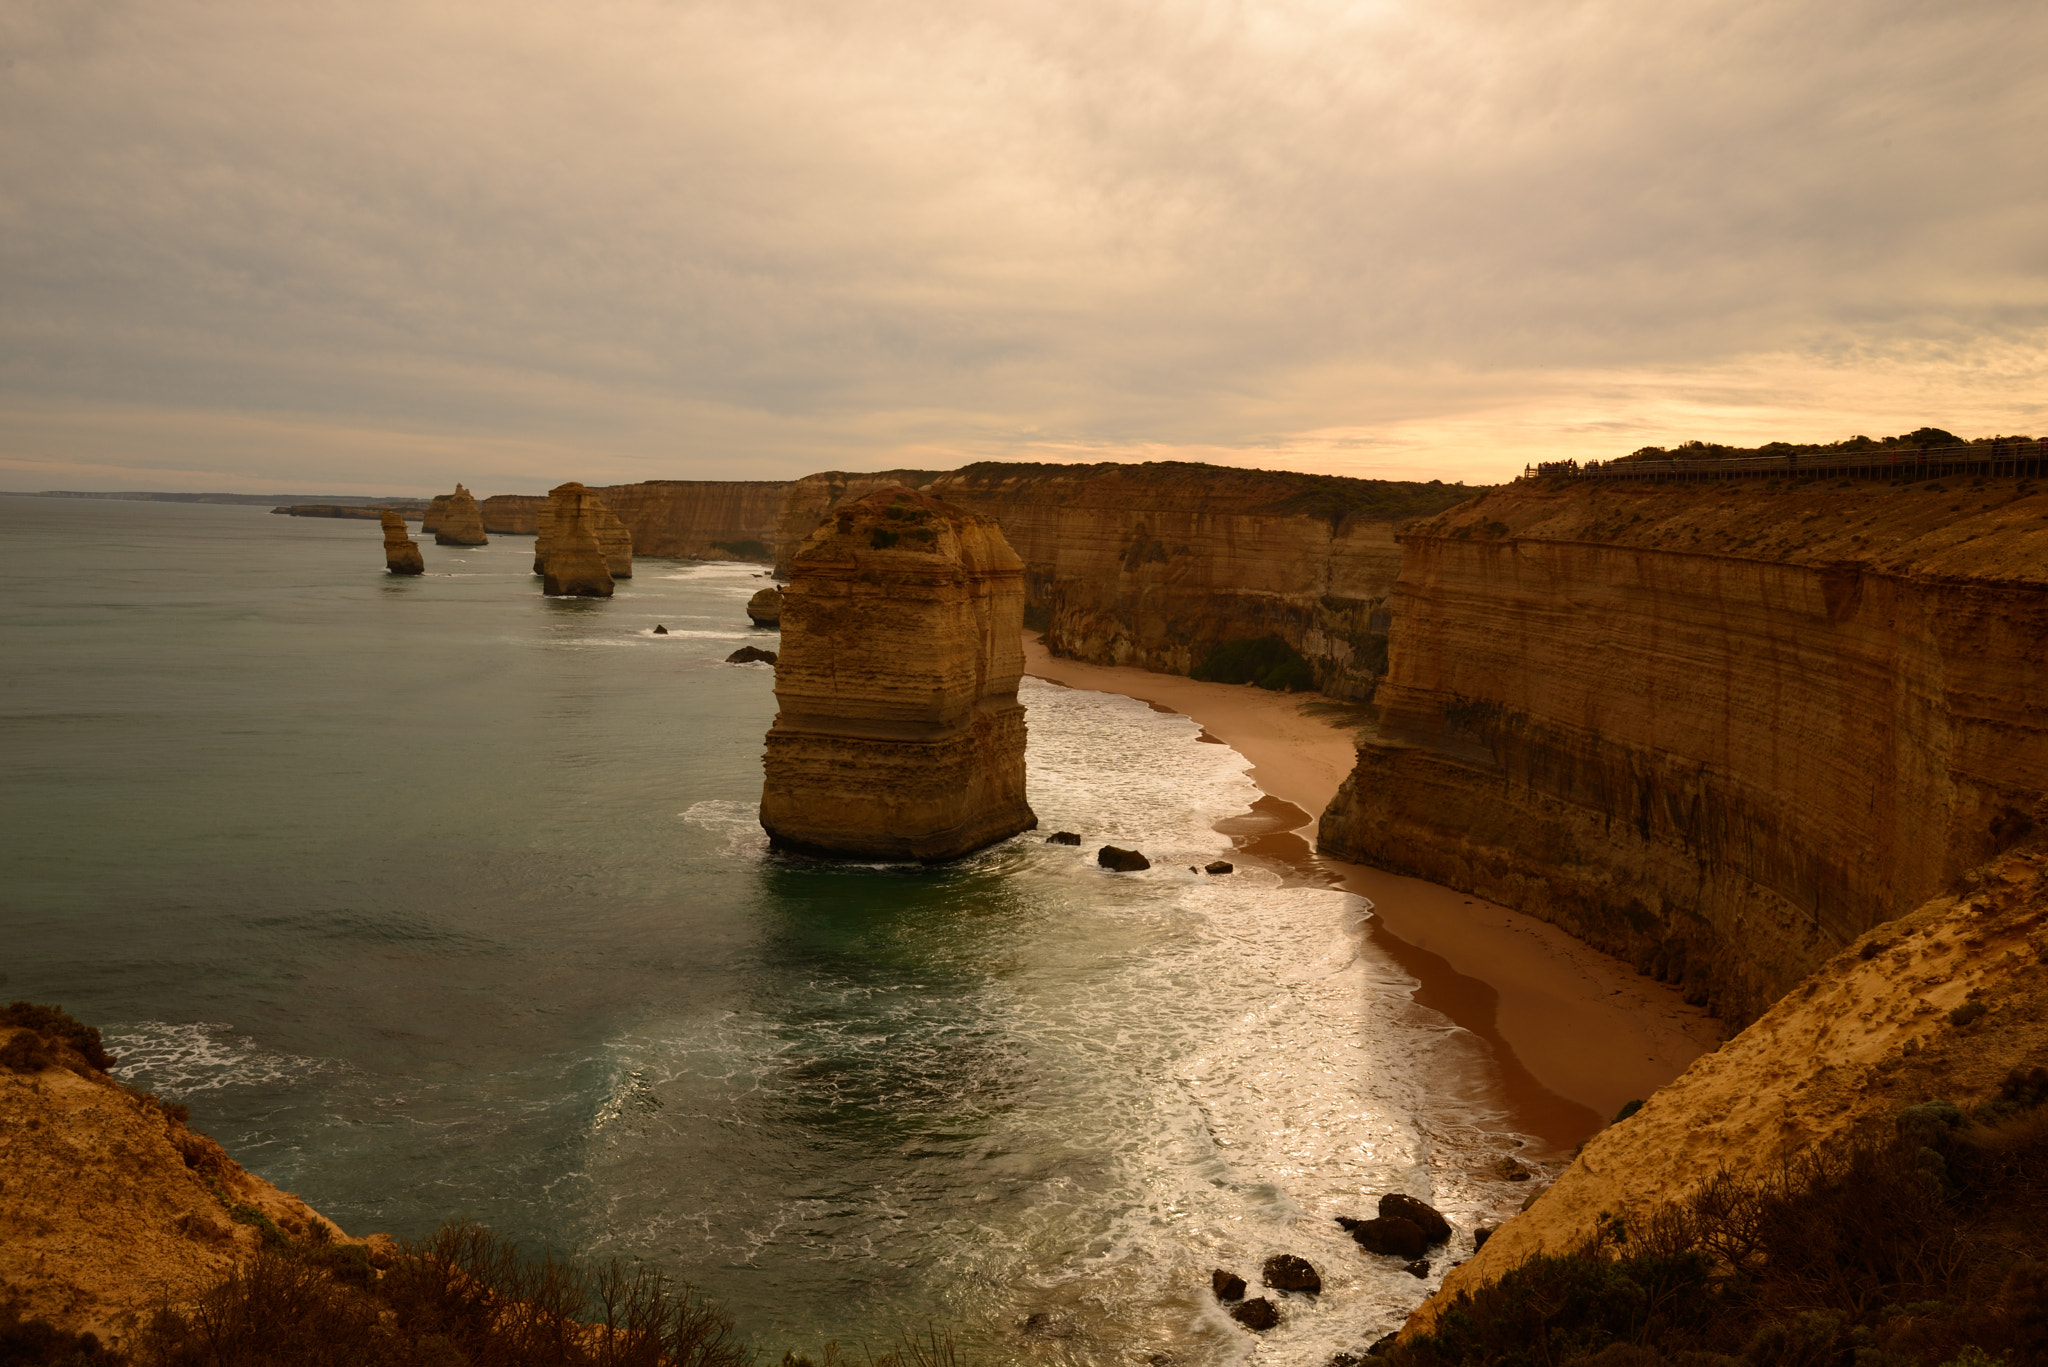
109	1207
512	514
1717	729
1868	1034
575	563
401	552
899	735
700	519
460	521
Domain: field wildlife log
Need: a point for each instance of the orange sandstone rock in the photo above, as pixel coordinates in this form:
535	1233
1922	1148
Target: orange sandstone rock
575	559
764	609
401	552
109	1207
461	522
900	735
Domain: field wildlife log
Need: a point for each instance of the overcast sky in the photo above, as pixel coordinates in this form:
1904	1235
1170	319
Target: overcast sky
376	247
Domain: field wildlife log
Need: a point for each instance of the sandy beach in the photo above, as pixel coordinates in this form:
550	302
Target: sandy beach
1577	1033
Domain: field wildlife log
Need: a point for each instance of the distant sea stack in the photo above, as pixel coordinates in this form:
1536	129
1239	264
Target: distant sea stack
900	735
575	560
461	522
401	552
764	609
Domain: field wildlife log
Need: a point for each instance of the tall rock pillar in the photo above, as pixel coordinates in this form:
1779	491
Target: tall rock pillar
575	562
900	735
614	539
461	522
401	552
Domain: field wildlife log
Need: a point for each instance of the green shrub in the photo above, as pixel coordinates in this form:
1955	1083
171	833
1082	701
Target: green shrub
1266	661
55	1033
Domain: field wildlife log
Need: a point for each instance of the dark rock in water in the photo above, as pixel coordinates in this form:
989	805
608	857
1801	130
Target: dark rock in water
1228	1286
1384	1345
1121	861
1044	1326
747	655
1256	1314
660	630
1419	1269
1480	1236
1534	1197
1063	838
1347	1360
764	609
1390	1235
1285	1272
1511	1169
1424	1217
1219	866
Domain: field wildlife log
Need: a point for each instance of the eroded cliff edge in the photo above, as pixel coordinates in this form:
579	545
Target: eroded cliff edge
1719	729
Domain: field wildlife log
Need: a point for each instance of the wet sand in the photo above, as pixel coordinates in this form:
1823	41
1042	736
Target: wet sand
1576	1032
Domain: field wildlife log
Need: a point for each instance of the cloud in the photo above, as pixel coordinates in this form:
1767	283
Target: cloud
636	239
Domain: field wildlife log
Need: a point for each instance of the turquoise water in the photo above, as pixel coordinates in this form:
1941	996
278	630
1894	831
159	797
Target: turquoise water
436	897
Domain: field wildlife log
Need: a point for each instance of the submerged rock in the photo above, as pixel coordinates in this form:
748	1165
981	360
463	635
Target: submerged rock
1063	838
1419	1269
1425	1217
899	735
1219	866
1121	861
1256	1314
1389	1235
401	552
750	655
575	565
1480	1236
764	609
461	522
1285	1272
1228	1286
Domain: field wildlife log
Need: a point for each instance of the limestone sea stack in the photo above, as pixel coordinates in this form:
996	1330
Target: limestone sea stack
900	735
401	552
764	609
461	522
575	561
613	537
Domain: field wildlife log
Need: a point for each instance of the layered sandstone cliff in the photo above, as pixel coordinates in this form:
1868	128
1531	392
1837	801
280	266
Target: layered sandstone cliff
1721	729
1937	1005
401	552
1158	565
458	522
110	1207
512	514
899	735
682	519
573	563
614	540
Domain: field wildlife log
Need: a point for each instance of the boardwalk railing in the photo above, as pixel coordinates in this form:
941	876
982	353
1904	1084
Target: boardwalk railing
2010	458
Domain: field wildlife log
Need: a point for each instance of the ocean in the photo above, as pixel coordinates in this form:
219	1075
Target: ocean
435	897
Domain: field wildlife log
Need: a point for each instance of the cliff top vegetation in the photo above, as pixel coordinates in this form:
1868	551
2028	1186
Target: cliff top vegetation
1919	439
1334	498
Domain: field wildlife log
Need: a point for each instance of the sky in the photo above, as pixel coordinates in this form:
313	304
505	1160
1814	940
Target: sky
292	246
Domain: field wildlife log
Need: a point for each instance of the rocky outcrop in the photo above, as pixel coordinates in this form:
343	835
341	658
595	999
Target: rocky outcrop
1939	1004
401	552
614	541
899	735
459	522
512	514
111	1206
764	609
1718	729
575	563
751	655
